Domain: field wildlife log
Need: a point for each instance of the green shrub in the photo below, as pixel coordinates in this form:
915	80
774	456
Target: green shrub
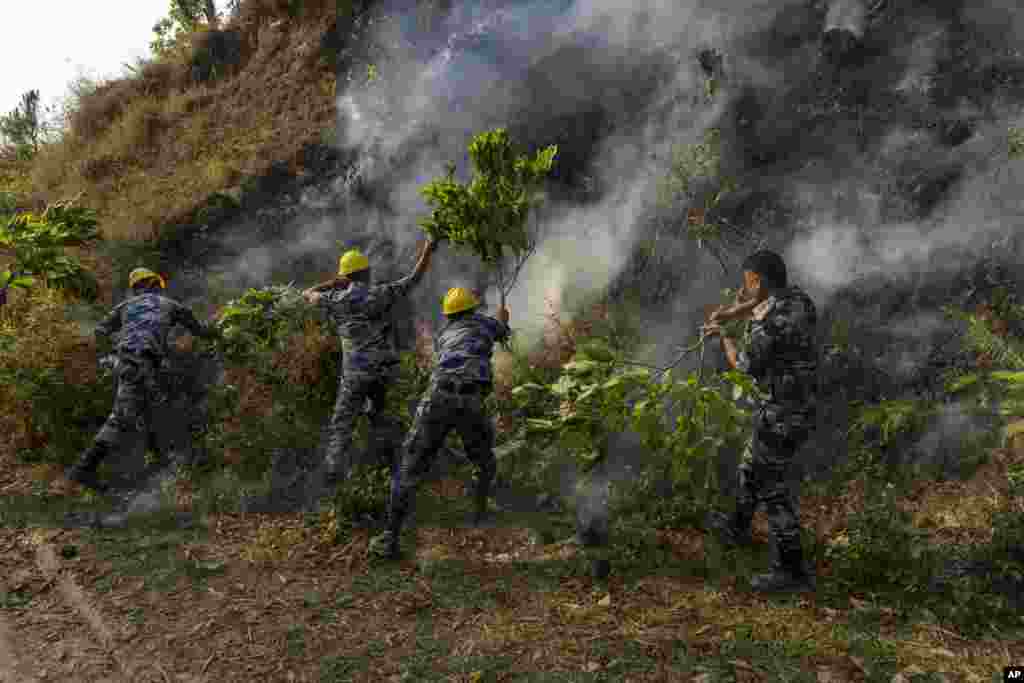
881	551
37	242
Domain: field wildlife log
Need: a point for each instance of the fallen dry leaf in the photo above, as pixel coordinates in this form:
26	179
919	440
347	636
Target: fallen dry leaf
900	678
702	678
826	676
606	601
742	664
943	652
858	604
859	663
591	667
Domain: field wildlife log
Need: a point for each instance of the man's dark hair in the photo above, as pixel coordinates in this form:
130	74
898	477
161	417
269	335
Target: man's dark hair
461	314
769	266
361	276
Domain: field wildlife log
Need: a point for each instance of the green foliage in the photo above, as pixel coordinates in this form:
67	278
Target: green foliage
364	495
881	550
182	17
686	422
8	204
65	413
490	213
262	320
982	337
37	243
890	421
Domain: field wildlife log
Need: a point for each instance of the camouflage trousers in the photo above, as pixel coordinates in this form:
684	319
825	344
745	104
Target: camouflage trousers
440	412
354	390
762	480
137	397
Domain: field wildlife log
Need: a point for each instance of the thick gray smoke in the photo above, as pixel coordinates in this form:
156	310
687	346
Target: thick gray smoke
862	123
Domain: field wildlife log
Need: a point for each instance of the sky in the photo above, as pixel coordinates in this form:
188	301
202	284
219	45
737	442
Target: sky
79	38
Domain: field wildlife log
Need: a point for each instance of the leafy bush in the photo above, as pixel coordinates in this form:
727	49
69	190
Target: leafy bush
52	395
262	319
686	422
37	243
881	550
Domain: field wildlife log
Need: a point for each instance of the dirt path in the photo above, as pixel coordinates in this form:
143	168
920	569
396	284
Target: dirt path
12	670
129	669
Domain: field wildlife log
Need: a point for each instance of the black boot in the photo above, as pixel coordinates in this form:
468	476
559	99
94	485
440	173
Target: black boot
480	497
84	472
788	574
730	530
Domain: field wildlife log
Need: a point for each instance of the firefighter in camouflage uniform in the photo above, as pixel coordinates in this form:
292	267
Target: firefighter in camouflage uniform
143	320
781	357
460	382
370	360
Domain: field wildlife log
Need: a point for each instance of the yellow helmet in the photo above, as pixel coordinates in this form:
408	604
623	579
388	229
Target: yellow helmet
142	274
459	299
352	262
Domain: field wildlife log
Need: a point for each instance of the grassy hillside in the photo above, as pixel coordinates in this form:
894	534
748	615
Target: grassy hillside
147	149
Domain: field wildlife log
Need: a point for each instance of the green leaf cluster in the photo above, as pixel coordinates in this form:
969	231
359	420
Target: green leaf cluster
890	420
1001	384
489	213
37	243
262	320
685	421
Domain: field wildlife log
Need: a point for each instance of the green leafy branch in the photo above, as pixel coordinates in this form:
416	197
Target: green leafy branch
261	319
490	214
695	180
688	421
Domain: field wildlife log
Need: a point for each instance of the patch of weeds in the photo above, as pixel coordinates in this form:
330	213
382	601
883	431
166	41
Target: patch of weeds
768	659
311	599
340	668
382	578
877	653
484	668
14	599
295	641
364	495
136	615
881	550
624	657
48	511
430	653
150	554
456	587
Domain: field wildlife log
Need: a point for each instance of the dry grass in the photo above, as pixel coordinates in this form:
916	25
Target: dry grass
146	150
300	361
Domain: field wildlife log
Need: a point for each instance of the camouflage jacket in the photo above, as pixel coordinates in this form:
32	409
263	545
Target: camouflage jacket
781	357
144	321
360	314
463	348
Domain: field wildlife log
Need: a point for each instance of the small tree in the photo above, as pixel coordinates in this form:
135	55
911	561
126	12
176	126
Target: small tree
490	214
24	126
